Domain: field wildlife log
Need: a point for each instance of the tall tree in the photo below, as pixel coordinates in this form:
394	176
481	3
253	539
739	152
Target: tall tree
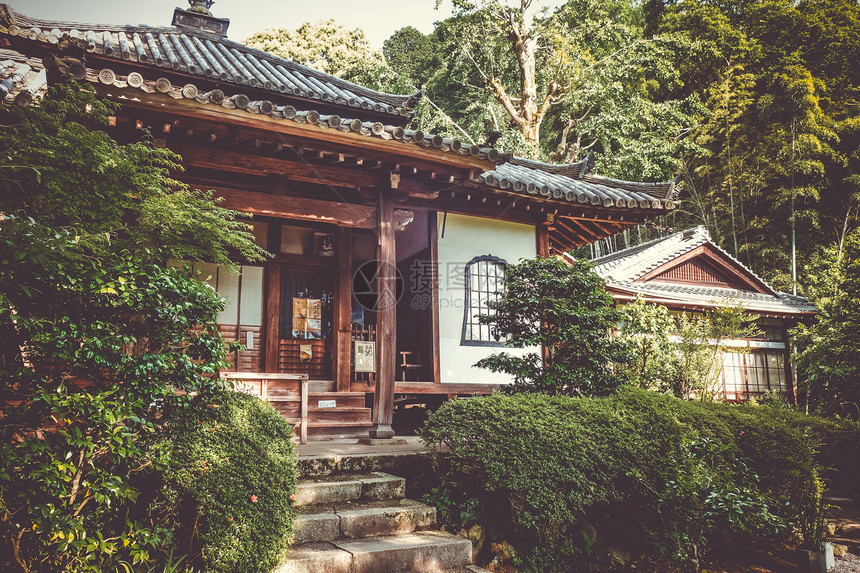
331	48
581	75
828	356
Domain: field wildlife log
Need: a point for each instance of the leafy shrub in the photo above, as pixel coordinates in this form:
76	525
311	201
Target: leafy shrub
95	331
564	308
559	476
91	341
232	472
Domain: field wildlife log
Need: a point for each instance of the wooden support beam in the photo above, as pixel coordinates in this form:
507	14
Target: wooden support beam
272	319
577	227
234	162
434	266
570	231
343	311
386	319
273	310
299	208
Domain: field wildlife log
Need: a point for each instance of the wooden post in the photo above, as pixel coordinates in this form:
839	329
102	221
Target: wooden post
272	319
543	240
303	409
343	311
434	301
386	319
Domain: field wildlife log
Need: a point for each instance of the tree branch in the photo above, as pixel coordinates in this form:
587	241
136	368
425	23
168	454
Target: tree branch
502	96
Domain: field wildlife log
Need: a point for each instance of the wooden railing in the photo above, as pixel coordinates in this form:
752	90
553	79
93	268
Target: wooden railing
274	388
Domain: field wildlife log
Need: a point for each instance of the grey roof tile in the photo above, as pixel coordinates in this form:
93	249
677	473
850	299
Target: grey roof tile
549	180
197	52
201	54
621	269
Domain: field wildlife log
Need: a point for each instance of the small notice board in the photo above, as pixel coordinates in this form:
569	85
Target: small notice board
365	356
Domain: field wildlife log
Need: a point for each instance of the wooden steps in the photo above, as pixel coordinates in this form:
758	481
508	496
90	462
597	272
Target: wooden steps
309	404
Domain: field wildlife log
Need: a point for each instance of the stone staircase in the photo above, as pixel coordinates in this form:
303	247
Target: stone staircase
361	522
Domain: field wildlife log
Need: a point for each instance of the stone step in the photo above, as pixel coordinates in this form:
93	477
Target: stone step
362	519
424	552
349	487
407	458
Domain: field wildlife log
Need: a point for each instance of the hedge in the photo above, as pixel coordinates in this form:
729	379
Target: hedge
228	487
571	482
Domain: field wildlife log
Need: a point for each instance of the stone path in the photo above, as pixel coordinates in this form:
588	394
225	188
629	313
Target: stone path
843	516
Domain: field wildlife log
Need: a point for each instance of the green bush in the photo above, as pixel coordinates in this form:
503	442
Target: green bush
564	479
563	307
232	473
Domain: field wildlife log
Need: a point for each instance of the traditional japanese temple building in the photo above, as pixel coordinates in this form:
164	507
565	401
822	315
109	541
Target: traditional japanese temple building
688	273
386	241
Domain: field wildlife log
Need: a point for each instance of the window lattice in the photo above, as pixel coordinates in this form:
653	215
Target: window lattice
484	283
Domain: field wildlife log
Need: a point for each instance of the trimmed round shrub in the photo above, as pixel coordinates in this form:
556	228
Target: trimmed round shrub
573	482
232	472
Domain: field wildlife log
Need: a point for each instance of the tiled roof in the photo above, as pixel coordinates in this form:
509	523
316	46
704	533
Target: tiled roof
621	269
233	66
196	52
689	295
535	178
21	78
627	265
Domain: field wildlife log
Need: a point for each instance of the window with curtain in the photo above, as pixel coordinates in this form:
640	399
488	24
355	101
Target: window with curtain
484	277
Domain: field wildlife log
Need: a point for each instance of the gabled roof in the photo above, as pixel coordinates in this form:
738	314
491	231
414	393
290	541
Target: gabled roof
687	269
208	55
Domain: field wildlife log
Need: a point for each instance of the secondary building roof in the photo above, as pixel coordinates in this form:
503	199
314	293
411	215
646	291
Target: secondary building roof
688	270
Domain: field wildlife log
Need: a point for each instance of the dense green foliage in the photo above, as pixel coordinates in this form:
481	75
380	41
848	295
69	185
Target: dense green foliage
828	353
569	481
96	332
228	487
645	328
689	366
563	308
61	169
77	311
333	49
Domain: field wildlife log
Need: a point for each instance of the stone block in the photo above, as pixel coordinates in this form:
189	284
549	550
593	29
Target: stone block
424	552
316	558
327	492
381	485
316	527
377	521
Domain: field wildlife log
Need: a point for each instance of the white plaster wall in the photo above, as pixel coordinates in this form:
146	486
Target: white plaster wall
467	237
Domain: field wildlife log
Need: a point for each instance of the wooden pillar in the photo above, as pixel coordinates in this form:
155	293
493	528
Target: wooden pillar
272	318
386	318
434	264
343	311
543	239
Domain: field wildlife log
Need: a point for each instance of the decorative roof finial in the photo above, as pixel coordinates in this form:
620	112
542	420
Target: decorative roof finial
201	6
200	19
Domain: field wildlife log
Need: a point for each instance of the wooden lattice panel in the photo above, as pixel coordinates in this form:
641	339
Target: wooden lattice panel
289	359
698	272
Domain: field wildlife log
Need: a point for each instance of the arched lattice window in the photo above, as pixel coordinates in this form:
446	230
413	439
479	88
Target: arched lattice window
484	283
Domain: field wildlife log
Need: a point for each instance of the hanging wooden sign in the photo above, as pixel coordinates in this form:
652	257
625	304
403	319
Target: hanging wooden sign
365	356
